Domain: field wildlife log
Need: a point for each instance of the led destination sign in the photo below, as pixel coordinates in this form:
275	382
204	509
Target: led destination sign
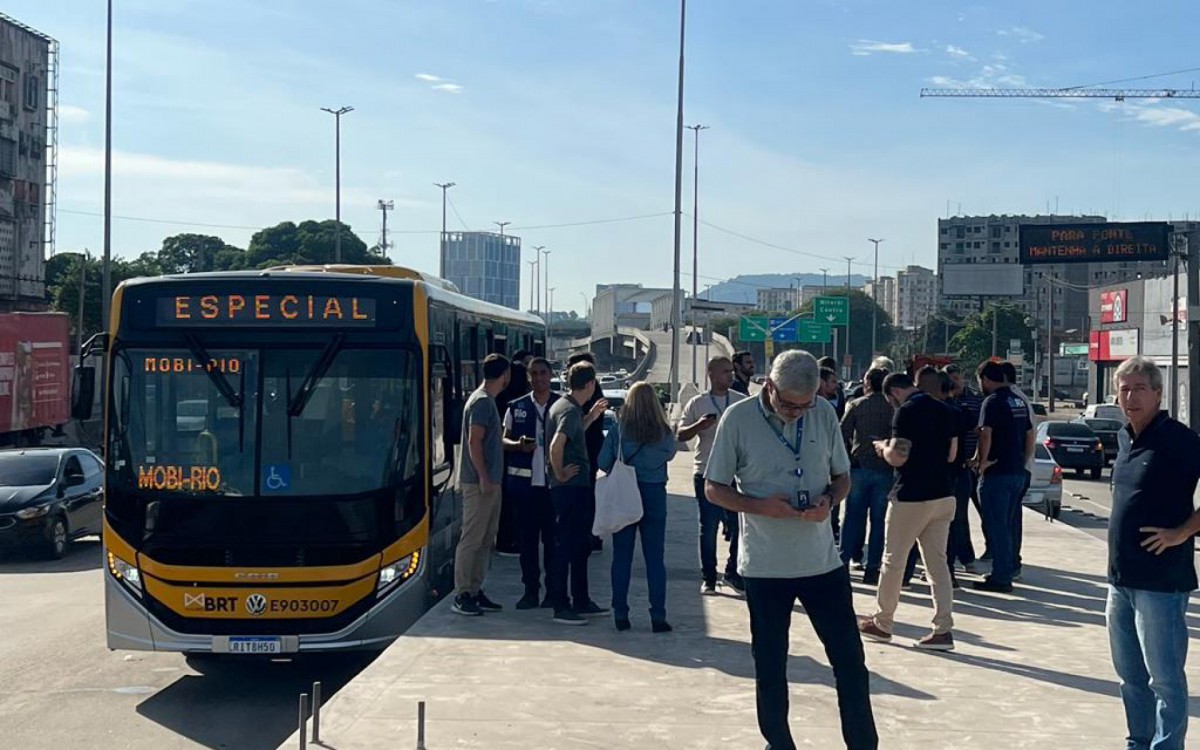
1094	243
276	310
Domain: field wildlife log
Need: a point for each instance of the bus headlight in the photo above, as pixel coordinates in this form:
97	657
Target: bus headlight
123	571
399	571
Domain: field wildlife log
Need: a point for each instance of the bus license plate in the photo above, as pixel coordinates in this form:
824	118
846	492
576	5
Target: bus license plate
255	646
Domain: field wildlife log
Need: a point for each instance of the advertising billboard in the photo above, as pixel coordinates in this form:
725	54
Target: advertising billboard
1114	306
1094	243
1113	346
990	279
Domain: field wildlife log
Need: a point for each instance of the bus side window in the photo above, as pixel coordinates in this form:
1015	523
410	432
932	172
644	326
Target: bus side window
439	447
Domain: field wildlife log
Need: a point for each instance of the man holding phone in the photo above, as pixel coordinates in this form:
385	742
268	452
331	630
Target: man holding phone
699	420
784	450
525	480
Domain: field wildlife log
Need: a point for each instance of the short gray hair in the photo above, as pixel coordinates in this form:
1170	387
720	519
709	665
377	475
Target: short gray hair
1139	365
796	370
884	363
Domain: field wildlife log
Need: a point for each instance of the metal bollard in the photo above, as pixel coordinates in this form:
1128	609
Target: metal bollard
303	721
316	711
420	725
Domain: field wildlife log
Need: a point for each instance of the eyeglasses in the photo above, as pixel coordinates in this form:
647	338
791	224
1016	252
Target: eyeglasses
784	405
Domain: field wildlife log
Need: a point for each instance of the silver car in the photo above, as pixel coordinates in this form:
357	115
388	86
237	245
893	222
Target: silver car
1045	488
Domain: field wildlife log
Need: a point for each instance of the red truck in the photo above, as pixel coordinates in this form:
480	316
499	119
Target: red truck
35	376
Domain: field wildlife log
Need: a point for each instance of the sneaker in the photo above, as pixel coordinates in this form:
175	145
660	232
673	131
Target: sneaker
592	609
506	553
568	617
734	581
708	588
858	565
464	604
867	626
1016	575
529	601
936	642
871	577
661	626
987	585
622	624
487	605
972	568
546	603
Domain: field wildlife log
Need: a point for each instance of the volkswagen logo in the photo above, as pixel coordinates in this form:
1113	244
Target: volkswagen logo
256	604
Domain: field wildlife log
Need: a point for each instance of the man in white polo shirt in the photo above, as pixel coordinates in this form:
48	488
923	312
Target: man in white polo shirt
784	450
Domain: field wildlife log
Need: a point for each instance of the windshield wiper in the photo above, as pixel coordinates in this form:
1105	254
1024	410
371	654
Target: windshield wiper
297	403
213	372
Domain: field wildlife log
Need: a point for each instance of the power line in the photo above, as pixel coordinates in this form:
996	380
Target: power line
1136	78
458	216
792	250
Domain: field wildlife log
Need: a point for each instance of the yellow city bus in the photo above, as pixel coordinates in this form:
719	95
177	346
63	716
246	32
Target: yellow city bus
280	449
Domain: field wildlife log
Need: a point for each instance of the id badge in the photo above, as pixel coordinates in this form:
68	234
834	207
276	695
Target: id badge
802	500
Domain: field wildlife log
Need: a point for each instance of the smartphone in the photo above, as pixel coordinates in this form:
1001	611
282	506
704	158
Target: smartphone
709	417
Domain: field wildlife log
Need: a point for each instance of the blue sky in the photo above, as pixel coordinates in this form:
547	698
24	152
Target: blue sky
549	112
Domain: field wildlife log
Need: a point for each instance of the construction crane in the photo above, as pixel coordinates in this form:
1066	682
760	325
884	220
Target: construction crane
1119	95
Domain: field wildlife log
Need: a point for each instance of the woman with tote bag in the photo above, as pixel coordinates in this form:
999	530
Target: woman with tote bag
646	443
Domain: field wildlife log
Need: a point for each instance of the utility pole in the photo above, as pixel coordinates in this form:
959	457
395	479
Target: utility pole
875	299
1050	341
995	329
537	258
695	237
502	225
1175	330
532	285
384	207
1193	329
337	149
676	316
106	279
848	356
83	261
442	245
545	271
824	288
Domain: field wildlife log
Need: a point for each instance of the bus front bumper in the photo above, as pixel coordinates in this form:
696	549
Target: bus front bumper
131	627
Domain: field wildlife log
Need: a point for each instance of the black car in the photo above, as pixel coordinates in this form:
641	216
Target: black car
48	497
1106	430
1073	445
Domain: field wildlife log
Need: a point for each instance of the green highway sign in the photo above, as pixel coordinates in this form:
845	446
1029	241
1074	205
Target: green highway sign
1068	350
813	332
834	311
753	328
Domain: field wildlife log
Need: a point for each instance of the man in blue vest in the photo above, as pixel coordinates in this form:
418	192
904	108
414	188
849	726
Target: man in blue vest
525	479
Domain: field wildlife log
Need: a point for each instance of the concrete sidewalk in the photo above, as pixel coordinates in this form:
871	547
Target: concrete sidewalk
1032	669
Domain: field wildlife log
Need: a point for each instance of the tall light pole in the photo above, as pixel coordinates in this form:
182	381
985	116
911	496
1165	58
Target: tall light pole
676	316
545	265
106	277
337	149
537	258
442	245
824	279
384	207
695	236
824	289
875	299
532	284
502	225
848	355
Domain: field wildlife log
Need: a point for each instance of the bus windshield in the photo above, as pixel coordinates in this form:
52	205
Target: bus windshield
352	432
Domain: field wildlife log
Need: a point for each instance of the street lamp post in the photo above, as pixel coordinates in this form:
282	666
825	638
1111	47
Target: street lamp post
442	245
337	150
676	315
695	237
532	284
537	259
875	299
824	288
106	276
545	271
848	356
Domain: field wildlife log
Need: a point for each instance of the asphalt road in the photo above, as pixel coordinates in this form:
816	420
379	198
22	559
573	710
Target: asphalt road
62	687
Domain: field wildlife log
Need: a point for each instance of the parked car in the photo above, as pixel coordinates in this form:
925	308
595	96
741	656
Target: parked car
1107	430
1039	414
1045	488
615	398
49	497
1073	445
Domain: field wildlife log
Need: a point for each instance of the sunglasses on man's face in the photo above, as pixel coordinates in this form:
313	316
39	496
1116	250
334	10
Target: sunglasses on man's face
791	406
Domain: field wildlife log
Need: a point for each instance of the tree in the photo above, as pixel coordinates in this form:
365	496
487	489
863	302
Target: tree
931	337
308	243
861	306
191	253
66	291
973	344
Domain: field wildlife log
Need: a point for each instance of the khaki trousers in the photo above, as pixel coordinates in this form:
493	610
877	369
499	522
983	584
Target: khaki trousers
481	521
926	523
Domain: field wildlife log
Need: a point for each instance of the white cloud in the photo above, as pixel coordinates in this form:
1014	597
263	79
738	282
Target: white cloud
71	115
1022	34
1164	117
444	85
864	47
958	52
449	88
428	78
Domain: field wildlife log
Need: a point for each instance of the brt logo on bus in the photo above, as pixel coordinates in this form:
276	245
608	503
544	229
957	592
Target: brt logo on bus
179	478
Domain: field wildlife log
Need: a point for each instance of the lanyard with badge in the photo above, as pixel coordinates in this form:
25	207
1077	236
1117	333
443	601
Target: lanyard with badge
720	411
540	430
801	495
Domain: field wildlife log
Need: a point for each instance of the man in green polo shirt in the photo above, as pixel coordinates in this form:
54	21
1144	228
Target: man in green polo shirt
785	452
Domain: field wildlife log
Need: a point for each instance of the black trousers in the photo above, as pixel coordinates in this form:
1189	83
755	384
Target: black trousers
507	536
574	511
959	546
827	600
535	532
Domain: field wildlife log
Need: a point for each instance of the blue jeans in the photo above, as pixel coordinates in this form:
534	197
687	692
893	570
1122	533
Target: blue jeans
653	528
1000	498
710	521
869	490
1148	636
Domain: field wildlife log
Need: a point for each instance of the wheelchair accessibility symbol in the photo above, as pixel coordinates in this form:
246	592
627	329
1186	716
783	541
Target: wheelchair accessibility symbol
276	477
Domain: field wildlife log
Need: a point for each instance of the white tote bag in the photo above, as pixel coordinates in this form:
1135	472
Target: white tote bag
618	499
